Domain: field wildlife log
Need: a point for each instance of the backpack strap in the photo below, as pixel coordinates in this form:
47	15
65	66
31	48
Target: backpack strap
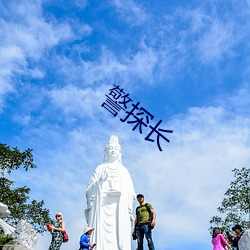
147	207
150	215
137	210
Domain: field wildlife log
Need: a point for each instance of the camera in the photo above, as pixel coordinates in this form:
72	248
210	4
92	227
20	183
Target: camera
134	235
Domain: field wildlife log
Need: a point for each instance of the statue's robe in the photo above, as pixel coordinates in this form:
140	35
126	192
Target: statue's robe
110	197
244	242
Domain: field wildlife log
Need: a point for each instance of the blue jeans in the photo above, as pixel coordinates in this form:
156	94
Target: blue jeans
142	230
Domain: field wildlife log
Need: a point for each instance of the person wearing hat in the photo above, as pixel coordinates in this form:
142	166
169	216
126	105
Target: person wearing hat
56	231
84	240
239	231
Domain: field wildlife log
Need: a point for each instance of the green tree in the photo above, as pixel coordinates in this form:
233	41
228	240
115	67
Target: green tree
235	207
17	199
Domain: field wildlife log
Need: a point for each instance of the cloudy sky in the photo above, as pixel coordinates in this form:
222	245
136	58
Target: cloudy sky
185	62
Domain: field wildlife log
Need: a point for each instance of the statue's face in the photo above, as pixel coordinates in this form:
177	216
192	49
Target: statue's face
113	150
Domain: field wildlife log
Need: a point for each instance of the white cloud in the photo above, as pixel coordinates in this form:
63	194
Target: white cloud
109	68
200	33
104	69
25	35
10	58
76	101
143	63
217	42
131	12
240	101
31	33
80	3
198	19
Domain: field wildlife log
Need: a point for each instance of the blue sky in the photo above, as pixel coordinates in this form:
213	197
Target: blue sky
186	62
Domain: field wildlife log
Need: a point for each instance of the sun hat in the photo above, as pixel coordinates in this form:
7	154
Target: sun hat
59	213
87	229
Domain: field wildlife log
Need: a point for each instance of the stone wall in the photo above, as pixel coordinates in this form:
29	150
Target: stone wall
13	247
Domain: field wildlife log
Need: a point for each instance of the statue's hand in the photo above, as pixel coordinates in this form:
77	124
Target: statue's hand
132	217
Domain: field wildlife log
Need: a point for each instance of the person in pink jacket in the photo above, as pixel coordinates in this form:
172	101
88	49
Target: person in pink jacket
219	240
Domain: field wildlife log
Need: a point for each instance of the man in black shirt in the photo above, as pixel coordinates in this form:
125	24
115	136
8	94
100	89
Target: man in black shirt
239	231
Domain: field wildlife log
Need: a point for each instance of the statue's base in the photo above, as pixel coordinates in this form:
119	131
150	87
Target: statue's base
12	247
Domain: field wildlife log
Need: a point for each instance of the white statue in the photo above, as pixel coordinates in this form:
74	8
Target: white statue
25	235
110	197
244	242
4	212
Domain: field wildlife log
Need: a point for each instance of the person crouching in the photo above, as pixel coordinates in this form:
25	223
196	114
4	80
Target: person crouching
85	239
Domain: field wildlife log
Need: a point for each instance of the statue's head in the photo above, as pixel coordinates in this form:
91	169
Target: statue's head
4	211
113	150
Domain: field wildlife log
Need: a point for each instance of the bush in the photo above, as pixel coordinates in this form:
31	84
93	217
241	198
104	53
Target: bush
6	240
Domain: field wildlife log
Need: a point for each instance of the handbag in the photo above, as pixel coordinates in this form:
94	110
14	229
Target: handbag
49	227
65	236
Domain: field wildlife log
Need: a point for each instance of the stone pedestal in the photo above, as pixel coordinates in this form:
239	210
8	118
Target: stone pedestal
13	247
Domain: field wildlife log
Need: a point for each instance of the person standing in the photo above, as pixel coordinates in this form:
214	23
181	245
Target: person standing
143	225
239	231
85	239
218	240
56	231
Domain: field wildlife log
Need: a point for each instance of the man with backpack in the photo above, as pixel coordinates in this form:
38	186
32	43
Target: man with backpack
144	223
